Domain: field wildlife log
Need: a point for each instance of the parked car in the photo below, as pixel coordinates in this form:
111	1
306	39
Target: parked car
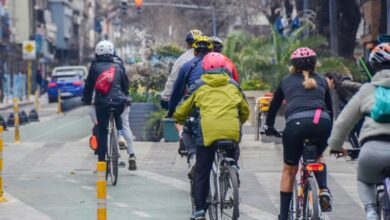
69	80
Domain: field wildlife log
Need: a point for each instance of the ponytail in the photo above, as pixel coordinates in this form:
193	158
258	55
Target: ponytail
309	83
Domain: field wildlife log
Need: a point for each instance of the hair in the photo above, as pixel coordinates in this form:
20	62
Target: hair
309	82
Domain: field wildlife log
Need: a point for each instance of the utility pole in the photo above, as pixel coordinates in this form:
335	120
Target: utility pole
333	26
305	9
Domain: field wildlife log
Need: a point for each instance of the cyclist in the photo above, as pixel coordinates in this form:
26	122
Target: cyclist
218	47
111	91
308	115
128	135
188	74
375	134
184	58
222	110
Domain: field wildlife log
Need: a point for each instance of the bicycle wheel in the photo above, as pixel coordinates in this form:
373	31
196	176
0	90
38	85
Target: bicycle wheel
294	205
258	126
114	156
311	205
229	194
213	195
192	193
384	199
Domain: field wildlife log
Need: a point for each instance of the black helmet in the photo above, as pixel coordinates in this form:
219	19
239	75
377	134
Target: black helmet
190	38
218	44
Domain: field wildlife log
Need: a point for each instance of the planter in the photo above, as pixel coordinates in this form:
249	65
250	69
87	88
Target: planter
139	116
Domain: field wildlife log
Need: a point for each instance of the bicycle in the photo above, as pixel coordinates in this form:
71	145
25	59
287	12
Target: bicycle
223	195
224	184
305	203
112	156
383	189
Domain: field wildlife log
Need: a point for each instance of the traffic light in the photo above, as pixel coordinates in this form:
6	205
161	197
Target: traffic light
124	6
138	5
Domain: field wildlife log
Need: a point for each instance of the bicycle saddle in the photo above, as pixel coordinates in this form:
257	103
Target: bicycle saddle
225	144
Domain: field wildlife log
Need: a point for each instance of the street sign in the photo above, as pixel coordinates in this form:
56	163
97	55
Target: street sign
29	50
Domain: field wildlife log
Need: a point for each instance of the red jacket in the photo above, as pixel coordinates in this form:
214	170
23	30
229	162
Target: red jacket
232	69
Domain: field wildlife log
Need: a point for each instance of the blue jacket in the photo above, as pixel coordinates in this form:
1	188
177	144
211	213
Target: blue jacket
189	73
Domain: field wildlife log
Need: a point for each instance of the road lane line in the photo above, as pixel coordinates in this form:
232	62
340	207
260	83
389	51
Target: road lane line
56	129
270	182
12	210
121	205
90	188
245	209
71	181
142	214
349	183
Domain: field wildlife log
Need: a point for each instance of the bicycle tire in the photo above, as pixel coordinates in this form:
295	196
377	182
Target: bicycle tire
294	213
258	125
213	196
385	201
230	184
114	157
311	186
192	194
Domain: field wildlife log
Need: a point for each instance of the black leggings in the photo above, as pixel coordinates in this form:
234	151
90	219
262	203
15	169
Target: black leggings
103	115
297	131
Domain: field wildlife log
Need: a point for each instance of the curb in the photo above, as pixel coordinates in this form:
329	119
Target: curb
8	106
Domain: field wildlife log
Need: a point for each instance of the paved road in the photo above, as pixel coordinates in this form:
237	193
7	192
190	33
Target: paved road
50	176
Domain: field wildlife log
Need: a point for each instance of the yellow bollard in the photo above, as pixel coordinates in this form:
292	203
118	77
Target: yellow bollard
59	102
101	193
2	199
16	121
36	103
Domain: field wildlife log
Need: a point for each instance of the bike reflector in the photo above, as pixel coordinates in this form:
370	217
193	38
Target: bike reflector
315	167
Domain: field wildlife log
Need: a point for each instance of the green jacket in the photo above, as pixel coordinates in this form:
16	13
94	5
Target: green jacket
222	109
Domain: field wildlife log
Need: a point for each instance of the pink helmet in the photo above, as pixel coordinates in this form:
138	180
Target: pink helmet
303	52
214	61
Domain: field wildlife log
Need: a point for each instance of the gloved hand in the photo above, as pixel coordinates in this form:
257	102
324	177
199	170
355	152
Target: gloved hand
271	131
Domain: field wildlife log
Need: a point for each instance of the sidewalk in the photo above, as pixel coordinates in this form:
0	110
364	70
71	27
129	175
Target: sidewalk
7	104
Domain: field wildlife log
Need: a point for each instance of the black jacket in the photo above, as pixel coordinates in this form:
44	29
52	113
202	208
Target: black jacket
119	92
298	98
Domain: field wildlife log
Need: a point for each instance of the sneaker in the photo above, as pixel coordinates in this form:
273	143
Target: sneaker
122	142
191	166
325	200
132	163
198	215
372	215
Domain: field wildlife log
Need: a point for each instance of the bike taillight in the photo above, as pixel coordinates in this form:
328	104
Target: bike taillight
315	167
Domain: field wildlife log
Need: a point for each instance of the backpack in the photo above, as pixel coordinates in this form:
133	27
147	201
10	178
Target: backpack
381	110
105	80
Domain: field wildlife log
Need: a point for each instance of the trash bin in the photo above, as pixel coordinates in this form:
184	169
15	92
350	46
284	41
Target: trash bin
170	131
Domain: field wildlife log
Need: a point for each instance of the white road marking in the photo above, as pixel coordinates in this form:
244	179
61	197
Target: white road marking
12	210
24	179
121	205
71	181
245	209
60	176
142	214
270	182
348	182
44	134
90	188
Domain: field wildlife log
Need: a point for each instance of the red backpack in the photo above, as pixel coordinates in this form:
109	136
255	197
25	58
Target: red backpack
105	80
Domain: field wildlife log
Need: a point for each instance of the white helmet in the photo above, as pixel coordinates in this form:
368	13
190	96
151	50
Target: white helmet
104	47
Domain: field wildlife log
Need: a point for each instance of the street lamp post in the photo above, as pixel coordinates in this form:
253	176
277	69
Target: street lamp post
333	25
